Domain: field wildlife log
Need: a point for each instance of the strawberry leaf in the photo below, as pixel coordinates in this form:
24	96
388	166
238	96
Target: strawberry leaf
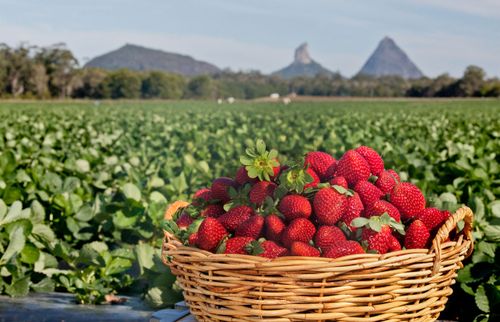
359	222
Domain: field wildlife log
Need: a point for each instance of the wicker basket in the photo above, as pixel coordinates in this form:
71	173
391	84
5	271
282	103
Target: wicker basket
408	285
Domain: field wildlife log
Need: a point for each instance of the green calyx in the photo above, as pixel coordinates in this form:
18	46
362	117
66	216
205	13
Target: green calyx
238	197
375	223
254	248
259	162
295	179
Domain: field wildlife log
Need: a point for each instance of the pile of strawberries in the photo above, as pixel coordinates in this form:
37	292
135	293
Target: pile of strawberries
318	206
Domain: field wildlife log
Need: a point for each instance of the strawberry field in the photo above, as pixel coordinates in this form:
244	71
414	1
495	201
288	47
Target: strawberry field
83	187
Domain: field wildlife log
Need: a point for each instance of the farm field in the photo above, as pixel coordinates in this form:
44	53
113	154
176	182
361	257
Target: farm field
83	187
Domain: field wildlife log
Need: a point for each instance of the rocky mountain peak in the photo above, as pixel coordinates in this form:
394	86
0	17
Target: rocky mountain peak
302	55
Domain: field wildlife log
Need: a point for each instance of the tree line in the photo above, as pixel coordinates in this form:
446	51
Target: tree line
54	72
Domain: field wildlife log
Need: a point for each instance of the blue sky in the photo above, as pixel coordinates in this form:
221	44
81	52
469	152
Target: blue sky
439	36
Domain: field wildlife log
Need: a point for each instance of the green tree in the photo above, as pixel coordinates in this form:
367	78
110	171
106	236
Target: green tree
200	87
162	85
92	83
471	82
19	68
122	83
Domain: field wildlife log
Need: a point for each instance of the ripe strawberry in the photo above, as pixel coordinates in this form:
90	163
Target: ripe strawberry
328	236
373	158
274	227
408	199
272	250
202	196
339	181
252	227
220	187
237	245
322	163
394	244
184	220
417	235
299	229
303	249
235	216
210	233
433	217
377	241
295	206
193	239
353	167
214	211
381	206
260	191
329	205
368	193
242	177
353	210
315	177
386	180
344	248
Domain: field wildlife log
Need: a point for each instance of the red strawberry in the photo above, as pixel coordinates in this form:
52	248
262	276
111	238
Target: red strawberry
242	176
408	199
184	220
381	206
417	235
339	181
202	196
386	180
322	163
353	210
353	167
344	248
260	191
210	233
303	249
252	227
394	244
214	211
377	241
274	226
368	193
193	239
235	216
272	250
299	229
433	217
329	205
237	245
295	206
328	236
315	177
220	187
373	158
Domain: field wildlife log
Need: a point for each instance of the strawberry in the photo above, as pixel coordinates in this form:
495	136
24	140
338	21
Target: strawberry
235	216
379	207
394	244
260	191
184	220
252	227
274	226
353	210
368	193
242	177
270	249
353	167
433	218
193	239
202	196
214	211
329	205
295	206
417	235
220	187
315	177
386	180
322	163
237	245
303	249
339	181
408	199
259	162
210	234
299	229
328	236
372	158
344	248
377	240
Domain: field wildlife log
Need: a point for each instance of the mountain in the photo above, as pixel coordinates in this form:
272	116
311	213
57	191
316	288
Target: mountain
141	58
389	59
303	65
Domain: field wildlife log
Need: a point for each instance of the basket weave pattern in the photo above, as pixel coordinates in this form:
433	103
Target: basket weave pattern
408	285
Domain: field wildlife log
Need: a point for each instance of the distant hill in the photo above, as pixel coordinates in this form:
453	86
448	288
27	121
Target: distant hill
141	58
389	59
303	65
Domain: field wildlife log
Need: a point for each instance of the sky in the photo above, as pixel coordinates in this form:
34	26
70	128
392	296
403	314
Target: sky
442	36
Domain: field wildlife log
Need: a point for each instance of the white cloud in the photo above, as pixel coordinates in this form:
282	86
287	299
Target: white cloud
485	8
